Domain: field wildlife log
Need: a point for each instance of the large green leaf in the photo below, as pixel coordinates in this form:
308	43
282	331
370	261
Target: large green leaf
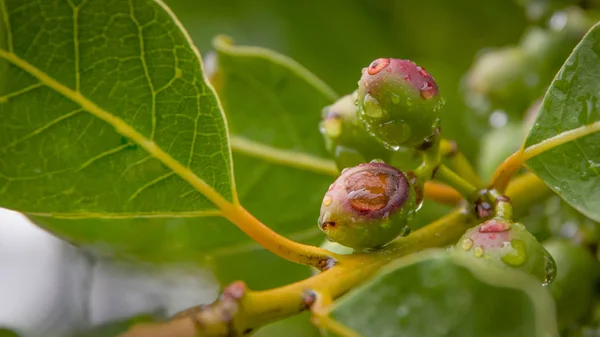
563	147
439	294
105	113
107	122
272	174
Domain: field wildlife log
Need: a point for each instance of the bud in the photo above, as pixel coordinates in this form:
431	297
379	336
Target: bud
369	205
398	102
345	137
508	245
502	78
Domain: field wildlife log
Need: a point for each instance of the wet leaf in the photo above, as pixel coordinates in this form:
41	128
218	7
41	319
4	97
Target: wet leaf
563	146
106	124
437	293
106	115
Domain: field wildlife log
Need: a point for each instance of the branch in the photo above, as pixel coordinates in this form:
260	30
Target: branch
277	244
442	193
459	163
240	311
464	187
506	171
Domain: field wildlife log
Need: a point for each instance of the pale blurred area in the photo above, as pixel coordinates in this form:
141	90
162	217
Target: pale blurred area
50	288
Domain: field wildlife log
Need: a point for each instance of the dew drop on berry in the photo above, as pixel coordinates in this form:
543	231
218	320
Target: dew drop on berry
422	71
376	66
372	107
515	253
550	267
427	91
467	244
478	251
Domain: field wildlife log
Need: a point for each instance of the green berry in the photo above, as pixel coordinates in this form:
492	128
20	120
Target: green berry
369	205
346	138
508	245
398	102
502	78
573	287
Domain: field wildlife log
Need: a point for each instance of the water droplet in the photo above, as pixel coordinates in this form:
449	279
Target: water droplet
391	147
407	78
478	251
427	90
515	253
422	71
327	200
467	244
372	107
405	231
584	175
550	267
495	226
396	130
332	186
381	161
395	98
377	65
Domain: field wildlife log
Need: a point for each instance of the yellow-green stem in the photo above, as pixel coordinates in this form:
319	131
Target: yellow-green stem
458	163
465	188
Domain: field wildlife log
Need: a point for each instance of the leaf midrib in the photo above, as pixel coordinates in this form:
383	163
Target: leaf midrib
560	139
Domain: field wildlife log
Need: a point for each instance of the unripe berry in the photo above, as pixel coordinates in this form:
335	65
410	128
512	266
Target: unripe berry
345	136
369	205
508	245
502	78
398	102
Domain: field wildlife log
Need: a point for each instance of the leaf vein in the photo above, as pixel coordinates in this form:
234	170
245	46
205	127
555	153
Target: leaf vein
149	184
102	155
145	67
43	128
124	129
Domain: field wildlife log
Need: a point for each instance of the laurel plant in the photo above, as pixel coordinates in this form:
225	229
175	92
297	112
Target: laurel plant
116	136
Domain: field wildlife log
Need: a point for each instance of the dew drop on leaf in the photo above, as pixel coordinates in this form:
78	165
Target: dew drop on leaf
550	267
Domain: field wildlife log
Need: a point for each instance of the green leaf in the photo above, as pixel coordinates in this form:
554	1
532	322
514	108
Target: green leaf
436	293
105	113
282	169
563	146
110	136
